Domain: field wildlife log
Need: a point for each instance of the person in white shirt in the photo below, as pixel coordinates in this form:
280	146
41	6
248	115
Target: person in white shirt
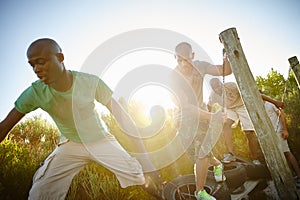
278	120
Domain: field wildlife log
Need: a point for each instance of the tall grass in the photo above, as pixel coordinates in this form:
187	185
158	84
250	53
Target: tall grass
96	182
30	142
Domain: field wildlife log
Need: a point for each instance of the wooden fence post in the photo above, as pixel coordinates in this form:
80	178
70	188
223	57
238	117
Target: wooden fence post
264	129
294	63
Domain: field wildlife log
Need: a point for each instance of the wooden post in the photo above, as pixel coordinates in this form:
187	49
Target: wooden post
264	129
294	64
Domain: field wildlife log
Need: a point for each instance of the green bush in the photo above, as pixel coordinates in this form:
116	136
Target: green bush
21	153
16	170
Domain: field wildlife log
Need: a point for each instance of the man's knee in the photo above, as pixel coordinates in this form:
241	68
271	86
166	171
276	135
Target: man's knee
47	190
41	191
204	157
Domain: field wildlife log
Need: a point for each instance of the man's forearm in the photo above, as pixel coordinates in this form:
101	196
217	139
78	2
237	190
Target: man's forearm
194	111
3	134
9	122
283	119
278	104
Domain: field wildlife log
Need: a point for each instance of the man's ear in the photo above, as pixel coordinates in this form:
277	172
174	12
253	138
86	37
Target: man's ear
193	55
175	56
60	57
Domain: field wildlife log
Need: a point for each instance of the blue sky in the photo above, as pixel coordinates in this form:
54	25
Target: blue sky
268	30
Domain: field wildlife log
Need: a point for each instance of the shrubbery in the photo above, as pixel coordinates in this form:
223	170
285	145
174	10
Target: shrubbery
26	147
31	141
16	170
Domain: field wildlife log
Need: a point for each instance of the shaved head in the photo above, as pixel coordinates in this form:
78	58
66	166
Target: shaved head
216	85
44	44
184	50
215	81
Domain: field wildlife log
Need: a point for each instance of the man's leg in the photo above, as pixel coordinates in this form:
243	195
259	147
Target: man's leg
109	153
252	143
248	129
293	164
53	178
292	160
200	170
227	131
228	135
218	169
214	161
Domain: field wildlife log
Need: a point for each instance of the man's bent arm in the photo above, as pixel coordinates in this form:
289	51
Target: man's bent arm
278	104
9	122
126	123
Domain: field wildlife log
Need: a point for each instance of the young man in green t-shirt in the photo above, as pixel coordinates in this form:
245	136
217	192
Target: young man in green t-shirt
68	96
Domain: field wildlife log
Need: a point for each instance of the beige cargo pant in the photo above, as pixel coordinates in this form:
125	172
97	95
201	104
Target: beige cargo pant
52	180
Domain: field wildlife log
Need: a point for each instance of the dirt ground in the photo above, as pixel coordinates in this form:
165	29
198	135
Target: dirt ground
271	192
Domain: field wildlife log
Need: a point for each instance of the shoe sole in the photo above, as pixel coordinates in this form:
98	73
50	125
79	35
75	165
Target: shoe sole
228	161
224	179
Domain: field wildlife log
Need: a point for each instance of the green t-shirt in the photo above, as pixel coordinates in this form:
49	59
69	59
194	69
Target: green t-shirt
73	111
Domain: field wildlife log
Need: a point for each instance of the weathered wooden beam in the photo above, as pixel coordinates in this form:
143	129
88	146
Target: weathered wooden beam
294	64
264	129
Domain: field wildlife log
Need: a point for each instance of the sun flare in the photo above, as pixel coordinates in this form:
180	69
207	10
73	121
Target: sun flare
153	95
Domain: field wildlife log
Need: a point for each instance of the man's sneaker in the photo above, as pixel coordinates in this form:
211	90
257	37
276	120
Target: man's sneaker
256	162
218	173
203	195
228	158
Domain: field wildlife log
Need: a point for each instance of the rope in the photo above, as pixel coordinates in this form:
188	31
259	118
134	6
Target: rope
285	86
223	84
283	95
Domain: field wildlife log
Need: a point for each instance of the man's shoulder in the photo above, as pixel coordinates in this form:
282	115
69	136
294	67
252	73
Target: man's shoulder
87	80
202	66
201	63
37	89
85	76
269	104
231	85
38	84
175	73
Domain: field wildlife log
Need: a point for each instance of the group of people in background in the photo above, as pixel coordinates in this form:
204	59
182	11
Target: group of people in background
85	138
236	112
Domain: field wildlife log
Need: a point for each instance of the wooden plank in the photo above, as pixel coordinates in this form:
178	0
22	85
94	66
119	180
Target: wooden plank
294	63
264	129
